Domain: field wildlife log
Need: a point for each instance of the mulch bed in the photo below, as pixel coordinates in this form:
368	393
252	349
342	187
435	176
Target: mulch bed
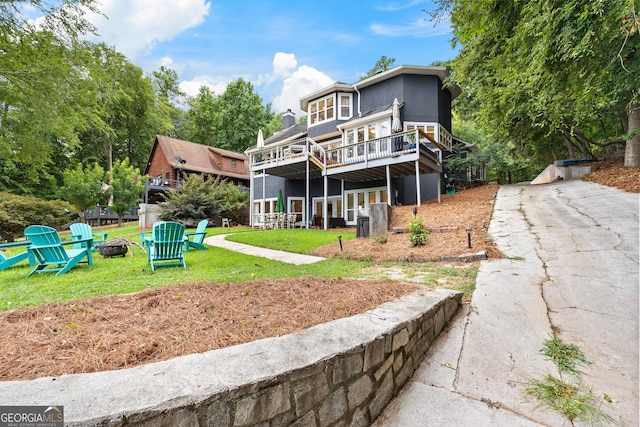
123	331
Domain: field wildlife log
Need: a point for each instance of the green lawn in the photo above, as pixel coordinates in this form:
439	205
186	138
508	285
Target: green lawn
120	275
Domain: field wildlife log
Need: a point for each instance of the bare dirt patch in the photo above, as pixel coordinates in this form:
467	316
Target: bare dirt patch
122	331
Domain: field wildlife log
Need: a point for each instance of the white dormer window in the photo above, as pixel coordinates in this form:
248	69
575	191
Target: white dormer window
322	110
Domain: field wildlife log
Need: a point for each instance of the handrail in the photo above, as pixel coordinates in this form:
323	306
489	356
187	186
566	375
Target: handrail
387	146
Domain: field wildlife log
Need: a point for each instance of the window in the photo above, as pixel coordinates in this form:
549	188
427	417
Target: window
345	106
321	110
233	163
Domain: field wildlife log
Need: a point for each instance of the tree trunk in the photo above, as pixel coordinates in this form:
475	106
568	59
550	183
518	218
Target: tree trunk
632	150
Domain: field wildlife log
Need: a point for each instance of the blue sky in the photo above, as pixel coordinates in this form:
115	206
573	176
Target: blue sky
286	49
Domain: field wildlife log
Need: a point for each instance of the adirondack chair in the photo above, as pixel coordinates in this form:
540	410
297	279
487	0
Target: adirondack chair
81	231
165	246
49	251
195	239
8	261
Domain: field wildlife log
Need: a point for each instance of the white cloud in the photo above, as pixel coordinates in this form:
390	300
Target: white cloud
417	28
134	27
303	81
283	63
191	87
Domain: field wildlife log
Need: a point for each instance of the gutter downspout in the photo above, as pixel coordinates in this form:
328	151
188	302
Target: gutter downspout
355	86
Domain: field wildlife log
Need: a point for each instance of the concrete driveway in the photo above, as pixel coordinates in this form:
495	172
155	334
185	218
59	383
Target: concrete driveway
570	267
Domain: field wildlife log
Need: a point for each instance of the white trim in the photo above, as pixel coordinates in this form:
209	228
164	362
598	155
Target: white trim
352	124
310	122
339	105
365	208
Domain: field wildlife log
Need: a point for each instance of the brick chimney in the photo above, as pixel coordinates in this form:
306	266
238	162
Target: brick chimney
288	119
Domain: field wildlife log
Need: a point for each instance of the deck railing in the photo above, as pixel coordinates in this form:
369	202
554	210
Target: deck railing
332	156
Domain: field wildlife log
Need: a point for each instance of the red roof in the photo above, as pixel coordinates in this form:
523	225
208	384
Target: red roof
199	158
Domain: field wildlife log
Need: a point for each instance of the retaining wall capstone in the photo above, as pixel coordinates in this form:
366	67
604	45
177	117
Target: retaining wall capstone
339	373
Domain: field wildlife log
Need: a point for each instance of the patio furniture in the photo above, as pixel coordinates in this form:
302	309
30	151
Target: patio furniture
291	220
164	246
49	251
8	261
271	221
81	231
195	239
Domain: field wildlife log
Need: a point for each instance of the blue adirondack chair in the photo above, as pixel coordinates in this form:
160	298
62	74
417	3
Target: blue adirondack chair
49	251
81	232
195	239
8	261
165	246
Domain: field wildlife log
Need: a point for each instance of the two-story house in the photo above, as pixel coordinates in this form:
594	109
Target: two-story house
379	140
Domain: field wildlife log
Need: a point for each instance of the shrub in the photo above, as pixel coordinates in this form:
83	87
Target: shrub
417	233
200	199
19	212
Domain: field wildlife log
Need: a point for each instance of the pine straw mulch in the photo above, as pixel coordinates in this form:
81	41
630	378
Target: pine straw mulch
121	331
447	240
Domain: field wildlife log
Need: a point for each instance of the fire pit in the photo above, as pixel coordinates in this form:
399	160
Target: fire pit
115	247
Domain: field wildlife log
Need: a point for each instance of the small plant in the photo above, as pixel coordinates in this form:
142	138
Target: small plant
566	393
417	233
381	239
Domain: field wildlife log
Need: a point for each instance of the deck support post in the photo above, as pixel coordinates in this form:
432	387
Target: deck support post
388	171
251	189
263	205
418	201
325	207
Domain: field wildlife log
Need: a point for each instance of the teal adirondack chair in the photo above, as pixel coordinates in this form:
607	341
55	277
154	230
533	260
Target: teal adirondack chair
49	251
8	261
81	232
165	246
195	239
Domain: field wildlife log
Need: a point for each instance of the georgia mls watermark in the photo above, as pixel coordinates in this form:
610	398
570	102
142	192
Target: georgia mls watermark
31	416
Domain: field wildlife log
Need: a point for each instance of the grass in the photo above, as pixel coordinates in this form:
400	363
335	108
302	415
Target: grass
566	393
458	277
297	240
110	276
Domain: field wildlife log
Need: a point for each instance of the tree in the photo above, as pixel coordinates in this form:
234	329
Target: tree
231	120
169	96
560	72
127	114
44	94
238	115
83	186
382	64
199	125
127	185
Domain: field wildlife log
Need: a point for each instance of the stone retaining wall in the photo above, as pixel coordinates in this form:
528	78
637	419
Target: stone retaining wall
339	373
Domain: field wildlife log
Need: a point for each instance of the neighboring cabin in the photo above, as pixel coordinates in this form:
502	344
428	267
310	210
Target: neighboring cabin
170	159
380	140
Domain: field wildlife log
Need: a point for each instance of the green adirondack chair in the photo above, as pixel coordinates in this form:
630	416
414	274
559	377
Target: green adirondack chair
49	251
81	232
8	261
195	239
165	246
